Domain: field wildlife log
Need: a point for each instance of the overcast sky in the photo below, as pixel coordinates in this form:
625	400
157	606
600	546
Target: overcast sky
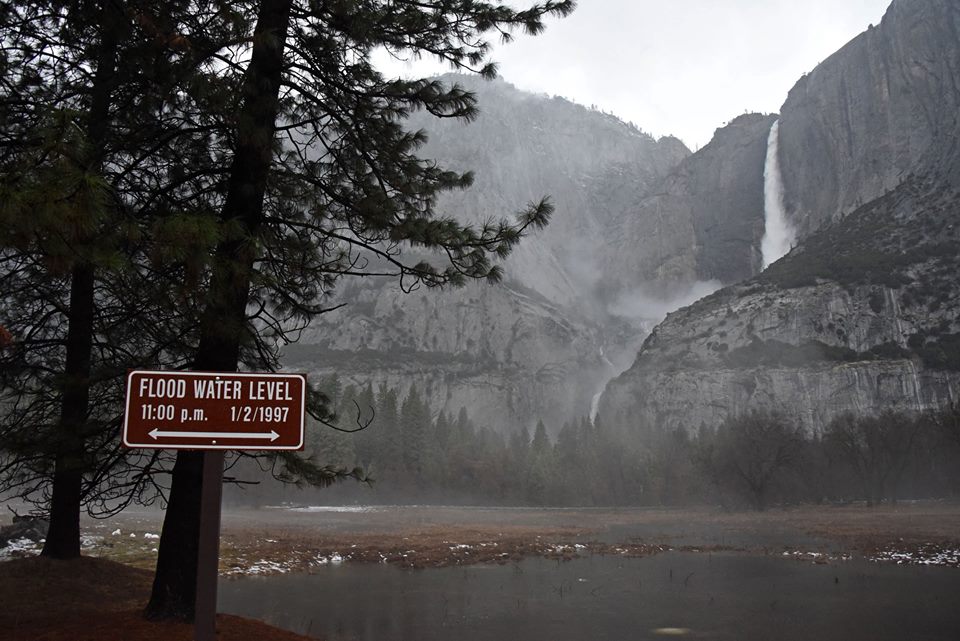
681	67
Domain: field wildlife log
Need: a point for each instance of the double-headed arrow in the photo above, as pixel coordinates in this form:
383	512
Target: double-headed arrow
158	433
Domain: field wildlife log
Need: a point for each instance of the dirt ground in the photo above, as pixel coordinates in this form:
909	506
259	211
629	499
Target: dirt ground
91	599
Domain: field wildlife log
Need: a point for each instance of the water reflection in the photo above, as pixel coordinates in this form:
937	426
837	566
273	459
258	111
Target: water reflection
719	596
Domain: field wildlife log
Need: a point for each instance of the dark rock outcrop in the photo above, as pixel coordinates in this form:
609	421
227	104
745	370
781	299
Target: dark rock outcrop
523	146
505	353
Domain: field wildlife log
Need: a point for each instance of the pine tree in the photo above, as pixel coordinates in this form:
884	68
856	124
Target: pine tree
519	450
414	426
365	440
388	426
441	440
78	196
540	477
567	458
293	161
80	84
540	444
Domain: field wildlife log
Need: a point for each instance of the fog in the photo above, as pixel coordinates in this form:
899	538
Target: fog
644	304
680	68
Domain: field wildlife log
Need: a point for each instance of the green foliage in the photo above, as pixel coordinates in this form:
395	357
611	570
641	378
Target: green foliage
415	433
56	207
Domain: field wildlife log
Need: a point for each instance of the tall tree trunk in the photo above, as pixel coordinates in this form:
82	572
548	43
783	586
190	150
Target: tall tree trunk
223	325
63	536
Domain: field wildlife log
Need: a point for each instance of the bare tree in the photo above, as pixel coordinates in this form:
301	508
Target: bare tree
750	452
877	449
947	422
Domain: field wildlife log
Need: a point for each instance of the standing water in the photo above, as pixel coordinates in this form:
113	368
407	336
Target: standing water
610	598
778	234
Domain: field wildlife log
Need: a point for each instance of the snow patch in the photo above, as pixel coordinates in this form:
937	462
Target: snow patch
88	541
332	508
19	547
927	554
334	559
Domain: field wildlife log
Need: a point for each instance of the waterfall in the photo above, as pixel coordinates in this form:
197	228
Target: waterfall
595	402
915	377
595	405
606	361
778	233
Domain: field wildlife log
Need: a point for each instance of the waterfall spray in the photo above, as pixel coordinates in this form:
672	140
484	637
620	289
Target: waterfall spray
595	401
778	234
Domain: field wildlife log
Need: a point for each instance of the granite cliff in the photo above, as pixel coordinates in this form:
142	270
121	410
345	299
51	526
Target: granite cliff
883	107
642	227
703	221
533	347
862	314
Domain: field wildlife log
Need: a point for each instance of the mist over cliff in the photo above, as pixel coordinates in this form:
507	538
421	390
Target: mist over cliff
644	227
862	315
568	315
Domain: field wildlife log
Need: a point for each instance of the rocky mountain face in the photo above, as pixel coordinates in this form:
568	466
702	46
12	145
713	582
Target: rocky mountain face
864	315
641	227
523	147
704	221
861	315
883	107
533	347
505	353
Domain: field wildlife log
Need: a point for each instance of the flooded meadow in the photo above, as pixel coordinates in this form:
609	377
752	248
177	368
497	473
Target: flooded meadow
476	574
425	573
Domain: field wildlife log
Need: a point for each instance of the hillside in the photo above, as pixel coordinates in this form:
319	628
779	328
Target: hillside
534	346
864	315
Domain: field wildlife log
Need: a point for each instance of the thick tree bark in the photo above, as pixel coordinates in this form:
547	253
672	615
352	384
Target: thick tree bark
223	325
175	584
63	536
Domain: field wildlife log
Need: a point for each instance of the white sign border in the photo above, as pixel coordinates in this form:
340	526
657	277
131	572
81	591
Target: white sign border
161	446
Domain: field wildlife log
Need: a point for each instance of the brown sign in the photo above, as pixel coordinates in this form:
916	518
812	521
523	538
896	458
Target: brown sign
214	410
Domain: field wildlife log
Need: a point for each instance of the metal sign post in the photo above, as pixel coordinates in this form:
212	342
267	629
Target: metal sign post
213	411
208	550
